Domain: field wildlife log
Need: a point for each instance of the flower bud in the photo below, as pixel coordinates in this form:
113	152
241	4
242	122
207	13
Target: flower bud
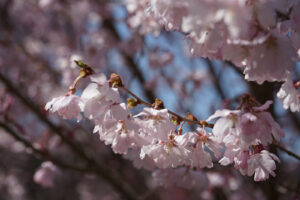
175	120
158	104
115	80
81	64
191	117
86	70
131	103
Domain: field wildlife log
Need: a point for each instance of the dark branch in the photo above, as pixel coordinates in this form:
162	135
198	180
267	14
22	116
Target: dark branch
216	81
286	151
45	155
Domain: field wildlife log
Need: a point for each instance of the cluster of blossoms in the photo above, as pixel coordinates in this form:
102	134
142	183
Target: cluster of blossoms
152	140
260	36
245	133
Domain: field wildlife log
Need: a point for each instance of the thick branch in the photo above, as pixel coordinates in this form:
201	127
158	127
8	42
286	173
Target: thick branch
43	154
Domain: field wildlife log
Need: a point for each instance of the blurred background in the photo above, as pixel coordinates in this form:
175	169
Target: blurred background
42	156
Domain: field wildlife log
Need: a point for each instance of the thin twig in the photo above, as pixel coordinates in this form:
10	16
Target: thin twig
203	123
215	77
138	74
286	151
131	64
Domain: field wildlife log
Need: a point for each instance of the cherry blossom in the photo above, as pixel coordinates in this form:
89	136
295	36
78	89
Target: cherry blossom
155	124
278	57
151	138
242	130
116	129
120	135
98	96
162	42
196	55
261	165
216	28
195	142
254	127
166	154
68	106
290	96
45	175
261	126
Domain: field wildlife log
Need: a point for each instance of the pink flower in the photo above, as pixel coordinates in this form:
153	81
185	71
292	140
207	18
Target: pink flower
248	125
271	61
234	146
225	124
166	154
68	106
98	96
258	128
239	131
261	165
155	124
240	160
117	129
290	96
45	175
230	153
110	115
253	127
121	136
200	158
195	142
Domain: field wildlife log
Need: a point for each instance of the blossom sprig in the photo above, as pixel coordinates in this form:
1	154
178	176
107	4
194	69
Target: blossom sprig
245	133
70	105
297	84
177	117
156	137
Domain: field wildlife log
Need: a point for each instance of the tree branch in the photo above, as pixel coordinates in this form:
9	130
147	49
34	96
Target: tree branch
199	122
202	123
131	64
43	154
135	70
286	151
216	81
